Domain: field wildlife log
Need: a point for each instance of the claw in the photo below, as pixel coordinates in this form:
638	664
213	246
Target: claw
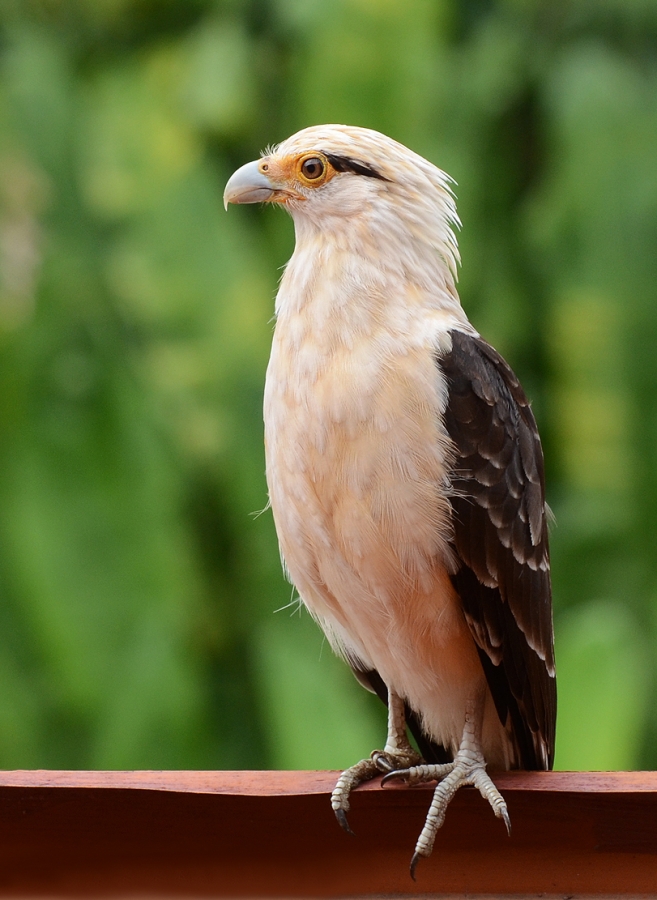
396	773
381	762
416	858
507	820
341	816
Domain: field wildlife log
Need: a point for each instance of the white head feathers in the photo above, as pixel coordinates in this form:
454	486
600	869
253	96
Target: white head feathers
410	204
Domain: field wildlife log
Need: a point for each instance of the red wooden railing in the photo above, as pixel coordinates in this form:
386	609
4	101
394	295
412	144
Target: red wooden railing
268	834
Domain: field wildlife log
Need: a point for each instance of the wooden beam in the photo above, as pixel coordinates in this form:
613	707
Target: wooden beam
269	834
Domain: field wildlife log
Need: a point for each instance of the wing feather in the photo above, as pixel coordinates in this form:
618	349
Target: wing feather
500	539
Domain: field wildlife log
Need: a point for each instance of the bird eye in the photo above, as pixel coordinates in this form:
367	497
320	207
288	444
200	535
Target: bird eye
313	168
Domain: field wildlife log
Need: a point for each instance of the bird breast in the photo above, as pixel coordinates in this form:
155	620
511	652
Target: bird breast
358	465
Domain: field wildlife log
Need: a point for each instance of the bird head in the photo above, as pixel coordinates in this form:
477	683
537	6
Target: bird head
302	172
327	175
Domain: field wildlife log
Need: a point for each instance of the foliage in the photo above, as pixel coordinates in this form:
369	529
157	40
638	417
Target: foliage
137	590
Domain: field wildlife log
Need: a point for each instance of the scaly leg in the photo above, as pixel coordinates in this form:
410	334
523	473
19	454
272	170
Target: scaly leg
469	767
396	755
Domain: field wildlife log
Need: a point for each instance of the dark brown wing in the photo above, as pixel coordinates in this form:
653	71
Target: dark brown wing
501	540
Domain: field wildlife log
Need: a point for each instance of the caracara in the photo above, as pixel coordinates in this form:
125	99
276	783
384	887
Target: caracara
405	469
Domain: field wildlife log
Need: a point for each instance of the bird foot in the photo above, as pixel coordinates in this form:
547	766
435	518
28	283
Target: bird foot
468	768
386	762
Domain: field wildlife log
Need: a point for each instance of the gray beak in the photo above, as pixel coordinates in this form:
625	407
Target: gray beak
248	185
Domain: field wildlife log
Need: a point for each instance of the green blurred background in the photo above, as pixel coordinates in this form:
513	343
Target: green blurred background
137	589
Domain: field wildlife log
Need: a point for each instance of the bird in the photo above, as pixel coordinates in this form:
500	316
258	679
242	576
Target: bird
405	470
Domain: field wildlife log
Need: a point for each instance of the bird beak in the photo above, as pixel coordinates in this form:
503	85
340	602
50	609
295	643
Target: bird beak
249	185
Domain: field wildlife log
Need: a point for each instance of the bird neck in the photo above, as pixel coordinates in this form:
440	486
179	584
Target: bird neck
358	278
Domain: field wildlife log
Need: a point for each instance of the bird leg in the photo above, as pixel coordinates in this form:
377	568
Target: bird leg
398	754
468	768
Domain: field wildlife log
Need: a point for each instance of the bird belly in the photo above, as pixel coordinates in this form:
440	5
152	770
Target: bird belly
358	474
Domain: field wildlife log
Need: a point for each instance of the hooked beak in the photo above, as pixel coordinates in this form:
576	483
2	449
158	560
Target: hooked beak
249	185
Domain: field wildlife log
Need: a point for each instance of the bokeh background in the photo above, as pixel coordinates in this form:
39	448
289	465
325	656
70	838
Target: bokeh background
138	590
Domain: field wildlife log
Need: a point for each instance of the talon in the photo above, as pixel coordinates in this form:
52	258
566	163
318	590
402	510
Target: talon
507	821
341	816
416	858
382	763
395	773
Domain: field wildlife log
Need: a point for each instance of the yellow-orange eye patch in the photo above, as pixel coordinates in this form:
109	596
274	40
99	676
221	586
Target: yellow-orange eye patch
310	169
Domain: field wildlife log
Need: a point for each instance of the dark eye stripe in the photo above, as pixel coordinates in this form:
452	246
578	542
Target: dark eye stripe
346	164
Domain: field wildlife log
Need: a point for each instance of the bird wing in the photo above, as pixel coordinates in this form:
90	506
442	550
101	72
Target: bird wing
500	538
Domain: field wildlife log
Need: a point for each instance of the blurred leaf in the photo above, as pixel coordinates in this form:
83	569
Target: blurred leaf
318	716
218	91
38	80
604	674
136	142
